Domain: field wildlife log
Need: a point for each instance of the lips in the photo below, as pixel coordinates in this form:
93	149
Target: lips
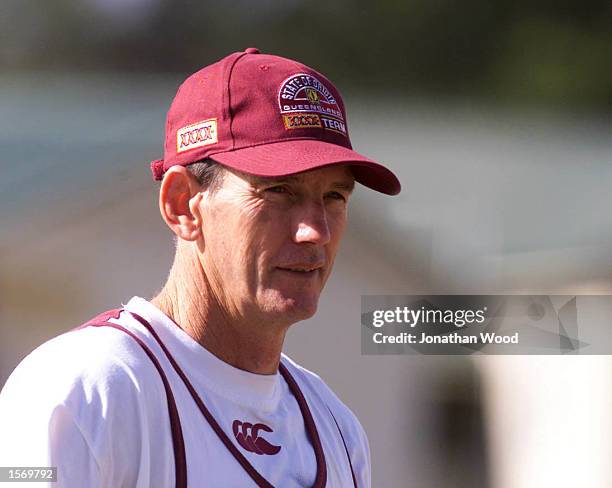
301	268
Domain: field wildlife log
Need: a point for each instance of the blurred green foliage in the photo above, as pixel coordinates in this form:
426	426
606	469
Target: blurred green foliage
537	52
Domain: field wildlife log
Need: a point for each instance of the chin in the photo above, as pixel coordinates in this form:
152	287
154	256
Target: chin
293	308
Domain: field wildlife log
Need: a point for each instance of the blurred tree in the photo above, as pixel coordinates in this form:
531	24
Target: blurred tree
541	51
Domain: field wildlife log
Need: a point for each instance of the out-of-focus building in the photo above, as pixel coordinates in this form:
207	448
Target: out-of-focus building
493	202
495	116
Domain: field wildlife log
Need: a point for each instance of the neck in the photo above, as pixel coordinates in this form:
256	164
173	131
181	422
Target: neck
189	300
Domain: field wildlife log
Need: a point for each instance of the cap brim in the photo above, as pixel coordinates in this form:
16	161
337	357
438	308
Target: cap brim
295	156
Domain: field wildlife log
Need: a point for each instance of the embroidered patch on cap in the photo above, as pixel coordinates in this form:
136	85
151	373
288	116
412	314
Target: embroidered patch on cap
305	102
196	135
301	121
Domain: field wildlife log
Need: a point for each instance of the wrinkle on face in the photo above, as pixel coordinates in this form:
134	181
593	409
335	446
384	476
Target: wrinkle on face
250	230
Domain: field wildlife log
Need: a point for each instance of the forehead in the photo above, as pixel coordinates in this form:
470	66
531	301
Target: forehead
330	175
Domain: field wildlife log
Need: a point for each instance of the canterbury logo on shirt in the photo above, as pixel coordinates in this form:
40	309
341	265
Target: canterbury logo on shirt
247	436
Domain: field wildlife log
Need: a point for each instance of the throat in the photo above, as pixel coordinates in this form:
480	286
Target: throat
243	345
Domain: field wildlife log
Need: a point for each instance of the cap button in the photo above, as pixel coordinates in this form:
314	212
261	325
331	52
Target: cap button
251	50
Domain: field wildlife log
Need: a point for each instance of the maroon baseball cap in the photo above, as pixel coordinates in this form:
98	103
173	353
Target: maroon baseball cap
266	116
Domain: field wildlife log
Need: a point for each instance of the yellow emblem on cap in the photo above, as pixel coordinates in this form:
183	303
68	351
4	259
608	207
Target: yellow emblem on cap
312	95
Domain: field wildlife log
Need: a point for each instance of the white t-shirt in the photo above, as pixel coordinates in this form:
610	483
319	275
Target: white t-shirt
91	402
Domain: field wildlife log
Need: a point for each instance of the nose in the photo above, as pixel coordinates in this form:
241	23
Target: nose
312	226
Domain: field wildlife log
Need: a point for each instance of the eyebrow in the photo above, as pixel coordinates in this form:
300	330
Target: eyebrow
263	180
347	186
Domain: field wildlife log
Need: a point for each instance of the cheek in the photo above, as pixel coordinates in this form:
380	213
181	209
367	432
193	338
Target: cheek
269	236
337	225
247	237
223	241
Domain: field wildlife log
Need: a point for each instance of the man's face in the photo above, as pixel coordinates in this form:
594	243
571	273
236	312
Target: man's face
269	244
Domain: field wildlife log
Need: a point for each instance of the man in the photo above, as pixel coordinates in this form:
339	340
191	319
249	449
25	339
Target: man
191	388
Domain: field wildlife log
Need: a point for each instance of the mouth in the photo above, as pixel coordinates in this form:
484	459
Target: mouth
302	270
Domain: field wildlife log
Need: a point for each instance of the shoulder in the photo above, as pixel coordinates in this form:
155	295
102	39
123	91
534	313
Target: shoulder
353	434
347	420
316	384
73	397
100	358
97	378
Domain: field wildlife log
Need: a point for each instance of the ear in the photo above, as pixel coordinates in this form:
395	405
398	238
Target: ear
179	196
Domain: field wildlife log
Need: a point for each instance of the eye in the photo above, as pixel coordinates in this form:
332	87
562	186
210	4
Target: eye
277	189
334	195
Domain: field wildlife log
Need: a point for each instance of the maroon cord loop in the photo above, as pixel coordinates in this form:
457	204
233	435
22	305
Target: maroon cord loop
178	443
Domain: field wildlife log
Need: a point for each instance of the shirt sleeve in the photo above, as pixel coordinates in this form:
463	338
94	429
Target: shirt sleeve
76	405
70	452
36	434
359	450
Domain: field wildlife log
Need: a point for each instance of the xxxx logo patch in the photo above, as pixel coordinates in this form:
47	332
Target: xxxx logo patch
301	121
305	102
196	135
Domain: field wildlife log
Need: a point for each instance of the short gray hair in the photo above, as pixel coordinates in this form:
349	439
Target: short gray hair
209	173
